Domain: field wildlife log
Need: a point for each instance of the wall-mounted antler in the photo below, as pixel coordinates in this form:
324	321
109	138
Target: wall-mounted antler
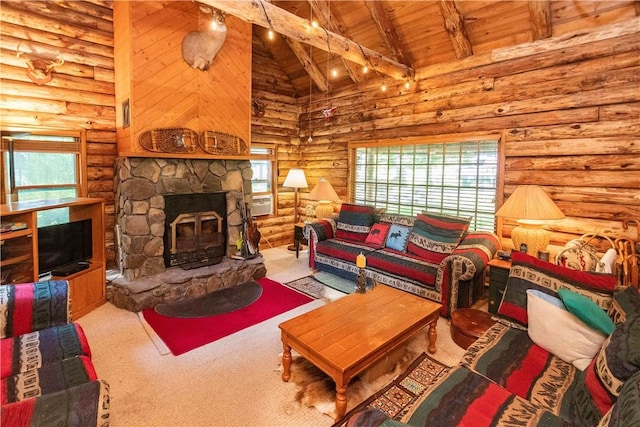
40	70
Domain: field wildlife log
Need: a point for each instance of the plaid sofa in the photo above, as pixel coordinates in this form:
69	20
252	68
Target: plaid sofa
439	260
47	375
505	379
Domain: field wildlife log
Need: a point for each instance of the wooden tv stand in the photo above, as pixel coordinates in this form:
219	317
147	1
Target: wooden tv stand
19	263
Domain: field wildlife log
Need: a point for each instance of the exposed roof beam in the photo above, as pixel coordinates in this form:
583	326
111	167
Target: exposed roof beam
300	29
454	24
320	9
540	14
387	30
304	56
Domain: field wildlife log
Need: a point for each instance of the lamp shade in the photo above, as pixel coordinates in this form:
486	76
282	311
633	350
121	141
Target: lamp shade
530	202
295	179
531	206
324	191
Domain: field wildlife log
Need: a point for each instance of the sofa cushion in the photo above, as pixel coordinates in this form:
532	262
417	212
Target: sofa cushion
354	222
49	378
378	235
626	303
554	328
465	398
33	350
401	264
398	237
626	411
587	311
435	236
528	272
342	249
508	357
601	383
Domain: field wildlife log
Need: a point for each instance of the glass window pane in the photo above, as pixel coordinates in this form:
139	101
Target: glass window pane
457	178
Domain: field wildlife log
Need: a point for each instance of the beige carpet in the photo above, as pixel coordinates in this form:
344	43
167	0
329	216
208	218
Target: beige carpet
234	381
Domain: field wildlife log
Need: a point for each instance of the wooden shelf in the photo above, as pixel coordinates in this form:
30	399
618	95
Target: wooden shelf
21	248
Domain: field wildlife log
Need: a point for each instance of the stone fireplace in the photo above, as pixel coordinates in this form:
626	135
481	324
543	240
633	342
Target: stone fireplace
152	193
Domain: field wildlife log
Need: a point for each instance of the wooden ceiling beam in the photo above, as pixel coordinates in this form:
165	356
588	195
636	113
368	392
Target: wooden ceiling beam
387	31
320	9
296	28
454	24
304	56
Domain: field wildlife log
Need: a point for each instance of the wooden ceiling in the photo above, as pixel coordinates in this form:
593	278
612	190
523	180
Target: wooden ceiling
399	38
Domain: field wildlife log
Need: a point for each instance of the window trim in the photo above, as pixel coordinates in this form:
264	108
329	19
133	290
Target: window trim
272	156
80	157
435	139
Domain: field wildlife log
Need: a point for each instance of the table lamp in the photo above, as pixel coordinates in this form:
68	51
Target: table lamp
296	180
531	206
324	193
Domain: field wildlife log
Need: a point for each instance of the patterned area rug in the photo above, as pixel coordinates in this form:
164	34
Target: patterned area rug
308	286
404	390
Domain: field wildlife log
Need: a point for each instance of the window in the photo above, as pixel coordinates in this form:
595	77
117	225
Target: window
262	163
43	165
455	178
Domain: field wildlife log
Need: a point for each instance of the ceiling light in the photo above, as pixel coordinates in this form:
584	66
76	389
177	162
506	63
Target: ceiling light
270	35
365	69
407	85
383	87
314	23
334	72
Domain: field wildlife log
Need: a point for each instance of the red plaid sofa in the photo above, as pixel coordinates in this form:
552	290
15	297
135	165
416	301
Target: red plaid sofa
47	375
505	379
439	259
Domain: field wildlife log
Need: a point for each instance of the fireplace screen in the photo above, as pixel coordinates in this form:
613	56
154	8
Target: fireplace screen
196	240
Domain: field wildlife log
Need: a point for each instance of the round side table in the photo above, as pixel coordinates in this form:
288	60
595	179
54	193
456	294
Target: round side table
468	324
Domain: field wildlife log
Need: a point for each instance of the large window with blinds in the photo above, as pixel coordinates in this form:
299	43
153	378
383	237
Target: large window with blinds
454	178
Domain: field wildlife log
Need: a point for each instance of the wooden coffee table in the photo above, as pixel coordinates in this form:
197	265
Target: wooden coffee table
346	336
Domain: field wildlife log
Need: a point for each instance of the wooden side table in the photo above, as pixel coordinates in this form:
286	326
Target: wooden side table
298	237
498	275
468	324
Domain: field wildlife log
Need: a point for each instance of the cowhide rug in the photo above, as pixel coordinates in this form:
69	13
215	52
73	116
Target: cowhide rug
317	389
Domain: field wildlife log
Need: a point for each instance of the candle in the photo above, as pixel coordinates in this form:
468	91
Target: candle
361	261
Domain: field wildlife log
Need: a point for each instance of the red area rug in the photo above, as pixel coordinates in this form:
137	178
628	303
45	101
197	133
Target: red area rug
182	335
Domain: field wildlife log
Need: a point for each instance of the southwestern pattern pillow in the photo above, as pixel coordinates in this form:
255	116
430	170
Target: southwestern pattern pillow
602	381
435	236
528	272
354	222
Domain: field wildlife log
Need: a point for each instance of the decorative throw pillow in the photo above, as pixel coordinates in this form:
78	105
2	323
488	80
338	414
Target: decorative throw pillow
354	222
600	384
378	234
587	311
626	303
528	272
397	238
435	236
559	332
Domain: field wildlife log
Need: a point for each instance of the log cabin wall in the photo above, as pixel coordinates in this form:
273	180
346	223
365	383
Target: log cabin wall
81	95
568	117
275	121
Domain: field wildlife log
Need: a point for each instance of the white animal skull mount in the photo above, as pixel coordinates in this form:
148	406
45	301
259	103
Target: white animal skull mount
199	48
39	70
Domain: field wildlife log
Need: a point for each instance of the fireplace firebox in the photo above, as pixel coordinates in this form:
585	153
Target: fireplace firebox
195	229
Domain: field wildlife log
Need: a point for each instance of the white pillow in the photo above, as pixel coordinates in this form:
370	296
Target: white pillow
554	328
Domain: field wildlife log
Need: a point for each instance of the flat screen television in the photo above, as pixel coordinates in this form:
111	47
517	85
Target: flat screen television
63	249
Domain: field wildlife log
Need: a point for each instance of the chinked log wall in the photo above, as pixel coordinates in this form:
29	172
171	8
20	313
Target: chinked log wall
568	117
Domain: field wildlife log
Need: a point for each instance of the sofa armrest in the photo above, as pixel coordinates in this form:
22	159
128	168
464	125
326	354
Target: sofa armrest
30	307
469	259
316	231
